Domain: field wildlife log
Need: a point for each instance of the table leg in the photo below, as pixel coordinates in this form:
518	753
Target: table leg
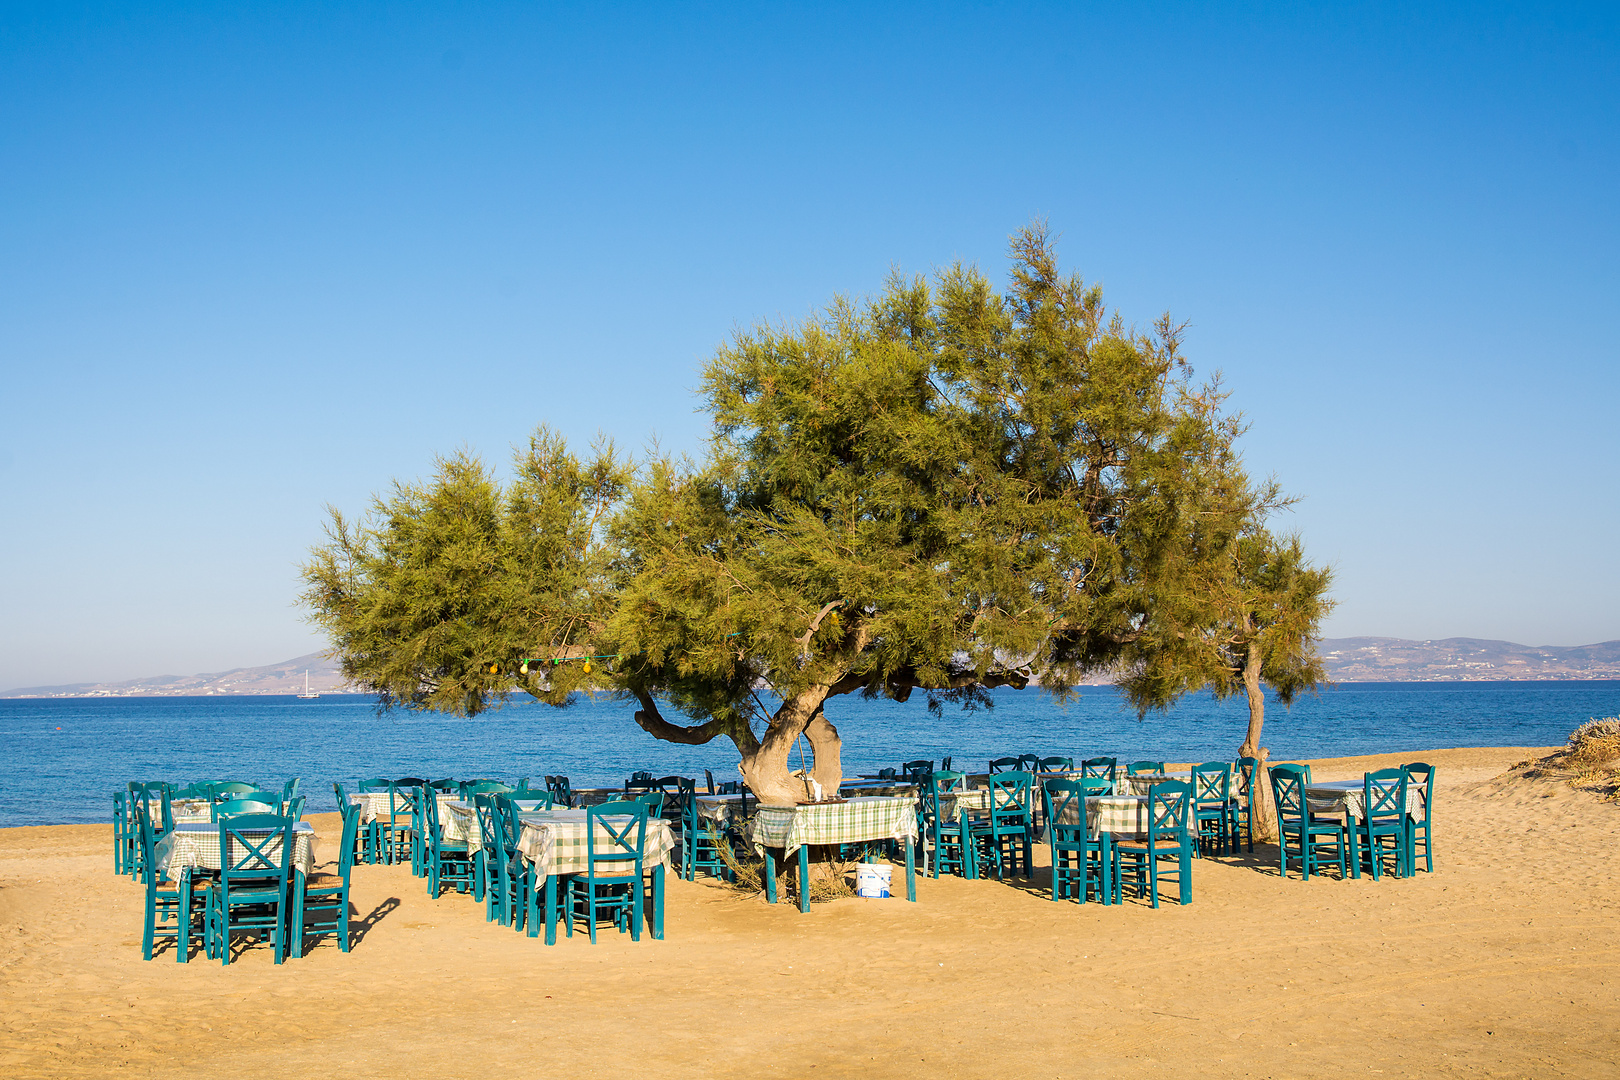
658	903
551	907
804	878
295	923
182	945
1355	847
911	872
770	877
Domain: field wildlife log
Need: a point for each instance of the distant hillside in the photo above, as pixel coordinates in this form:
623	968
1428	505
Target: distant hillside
1362	659
1376	659
286	677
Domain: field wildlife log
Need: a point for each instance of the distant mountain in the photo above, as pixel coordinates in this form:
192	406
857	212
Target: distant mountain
286	677
1360	659
1377	659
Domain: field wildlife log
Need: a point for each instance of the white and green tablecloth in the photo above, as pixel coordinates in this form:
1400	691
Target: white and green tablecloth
876	817
375	804
556	841
188	811
1118	815
1349	797
458	821
197	845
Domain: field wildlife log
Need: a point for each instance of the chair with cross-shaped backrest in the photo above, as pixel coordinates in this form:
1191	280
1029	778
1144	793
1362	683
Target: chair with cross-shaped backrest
1082	864
250	897
1213	822
616	845
1168	840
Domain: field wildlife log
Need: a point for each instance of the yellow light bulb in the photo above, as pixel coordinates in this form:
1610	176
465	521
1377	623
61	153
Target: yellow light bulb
494	669
587	667
524	670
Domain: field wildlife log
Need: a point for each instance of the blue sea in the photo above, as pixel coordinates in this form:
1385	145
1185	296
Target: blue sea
65	757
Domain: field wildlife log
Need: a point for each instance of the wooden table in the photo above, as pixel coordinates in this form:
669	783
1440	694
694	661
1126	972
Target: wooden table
554	843
853	821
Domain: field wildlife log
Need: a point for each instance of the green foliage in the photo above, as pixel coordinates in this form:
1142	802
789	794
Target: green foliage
448	578
942	488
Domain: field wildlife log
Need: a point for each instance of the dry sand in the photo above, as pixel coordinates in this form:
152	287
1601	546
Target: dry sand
1504	962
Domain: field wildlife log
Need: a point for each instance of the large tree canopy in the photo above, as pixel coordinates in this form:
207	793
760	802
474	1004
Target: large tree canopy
942	489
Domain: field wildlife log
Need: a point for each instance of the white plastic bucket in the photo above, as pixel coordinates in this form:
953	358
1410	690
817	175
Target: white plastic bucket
872	880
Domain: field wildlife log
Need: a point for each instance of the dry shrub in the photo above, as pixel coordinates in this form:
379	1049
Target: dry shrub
1595	743
829	879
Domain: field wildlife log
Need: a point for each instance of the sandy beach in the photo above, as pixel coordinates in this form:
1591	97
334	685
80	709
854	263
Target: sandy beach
1504	962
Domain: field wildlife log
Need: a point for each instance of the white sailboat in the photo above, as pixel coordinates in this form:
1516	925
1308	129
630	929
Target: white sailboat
308	693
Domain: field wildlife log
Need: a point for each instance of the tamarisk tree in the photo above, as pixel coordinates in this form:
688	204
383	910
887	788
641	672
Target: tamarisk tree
941	489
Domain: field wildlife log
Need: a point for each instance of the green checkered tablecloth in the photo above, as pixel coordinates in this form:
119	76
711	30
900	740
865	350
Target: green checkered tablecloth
1119	815
554	841
877	817
374	804
185	811
197	845
1349	797
458	821
725	810
854	789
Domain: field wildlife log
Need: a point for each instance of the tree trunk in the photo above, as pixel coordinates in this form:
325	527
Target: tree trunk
1262	811
767	770
829	752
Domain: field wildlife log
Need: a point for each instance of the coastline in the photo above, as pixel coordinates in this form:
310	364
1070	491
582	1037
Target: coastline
1501	962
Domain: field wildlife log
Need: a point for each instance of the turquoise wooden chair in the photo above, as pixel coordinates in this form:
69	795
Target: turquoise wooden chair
1136	768
153	786
952	840
639	781
1212	808
231	789
1100	768
1005	833
487	860
444	862
1141	862
142	805
379	822
1300	835
124	835
616	844
444	786
561	795
362	833
1383	829
232	807
1055	764
192	791
516	874
1082	865
398	832
699	848
654	801
250	897
918	770
172	908
1003	764
1243	804
1420	776
321	907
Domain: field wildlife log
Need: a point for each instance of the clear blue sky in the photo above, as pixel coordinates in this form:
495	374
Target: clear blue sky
259	258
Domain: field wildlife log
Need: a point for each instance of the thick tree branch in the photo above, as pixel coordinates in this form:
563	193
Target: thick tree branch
654	724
